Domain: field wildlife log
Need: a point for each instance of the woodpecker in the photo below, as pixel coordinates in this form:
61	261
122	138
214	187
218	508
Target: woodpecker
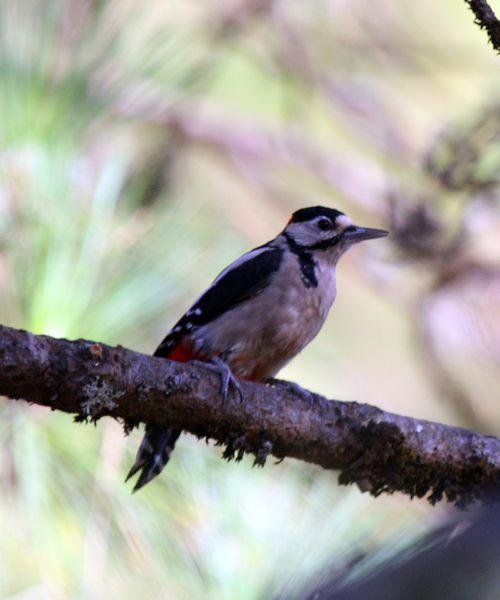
259	313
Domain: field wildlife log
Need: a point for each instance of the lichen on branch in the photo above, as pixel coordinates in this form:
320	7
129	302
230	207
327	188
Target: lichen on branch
380	451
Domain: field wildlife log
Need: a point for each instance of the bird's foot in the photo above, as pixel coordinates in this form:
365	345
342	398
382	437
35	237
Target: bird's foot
228	380
295	388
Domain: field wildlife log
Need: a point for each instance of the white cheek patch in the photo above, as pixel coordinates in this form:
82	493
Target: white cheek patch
343	221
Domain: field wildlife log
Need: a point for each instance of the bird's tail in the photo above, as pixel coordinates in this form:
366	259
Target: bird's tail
153	454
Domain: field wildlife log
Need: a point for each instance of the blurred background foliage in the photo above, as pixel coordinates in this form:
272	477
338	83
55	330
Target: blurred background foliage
145	145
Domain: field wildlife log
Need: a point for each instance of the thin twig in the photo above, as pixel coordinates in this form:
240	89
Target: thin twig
486	19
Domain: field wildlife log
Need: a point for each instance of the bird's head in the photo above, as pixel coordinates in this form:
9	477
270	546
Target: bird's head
318	228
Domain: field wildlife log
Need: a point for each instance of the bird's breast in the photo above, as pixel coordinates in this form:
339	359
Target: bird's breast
304	308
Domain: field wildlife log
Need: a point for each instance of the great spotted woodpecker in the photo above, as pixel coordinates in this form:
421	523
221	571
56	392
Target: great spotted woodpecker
259	313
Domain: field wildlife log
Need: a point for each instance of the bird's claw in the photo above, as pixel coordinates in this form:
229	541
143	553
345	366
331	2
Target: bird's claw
295	388
217	365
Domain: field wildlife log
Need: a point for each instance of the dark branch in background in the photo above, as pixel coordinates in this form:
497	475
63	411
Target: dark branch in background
381	451
464	552
486	19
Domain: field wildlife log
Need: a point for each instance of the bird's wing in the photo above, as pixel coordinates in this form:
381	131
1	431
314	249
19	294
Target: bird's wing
240	281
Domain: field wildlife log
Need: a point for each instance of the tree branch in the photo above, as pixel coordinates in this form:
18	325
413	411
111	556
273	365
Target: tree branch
459	551
486	19
382	451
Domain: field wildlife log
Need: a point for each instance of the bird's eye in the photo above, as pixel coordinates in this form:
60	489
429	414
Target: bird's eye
325	224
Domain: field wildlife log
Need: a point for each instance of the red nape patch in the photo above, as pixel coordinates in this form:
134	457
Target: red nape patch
182	352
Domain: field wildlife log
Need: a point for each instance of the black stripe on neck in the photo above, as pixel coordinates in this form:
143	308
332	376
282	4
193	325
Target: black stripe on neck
325	244
306	261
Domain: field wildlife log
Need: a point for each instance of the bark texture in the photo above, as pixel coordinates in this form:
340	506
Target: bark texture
382	452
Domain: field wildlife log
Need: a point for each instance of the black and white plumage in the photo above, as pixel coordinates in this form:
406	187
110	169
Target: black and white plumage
242	280
260	312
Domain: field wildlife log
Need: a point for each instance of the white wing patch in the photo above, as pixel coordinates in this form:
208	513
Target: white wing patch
245	278
195	310
243	259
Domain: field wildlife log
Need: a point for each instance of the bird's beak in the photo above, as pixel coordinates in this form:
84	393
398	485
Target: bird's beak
359	234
